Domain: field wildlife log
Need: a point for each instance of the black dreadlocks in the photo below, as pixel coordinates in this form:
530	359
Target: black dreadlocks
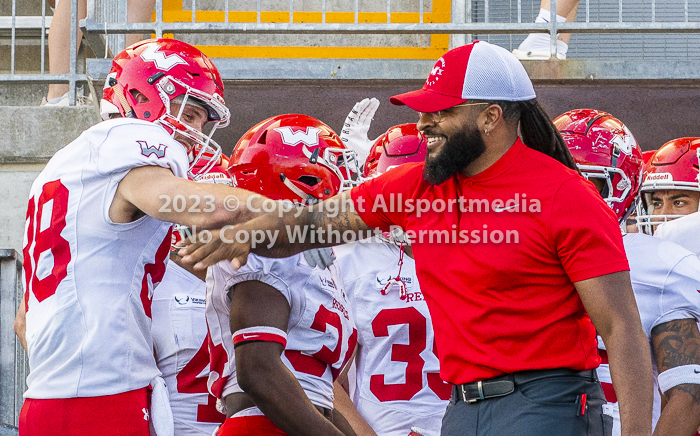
537	130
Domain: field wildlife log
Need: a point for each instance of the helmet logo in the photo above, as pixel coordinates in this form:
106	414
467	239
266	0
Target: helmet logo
623	184
162	62
290	137
658	177
624	142
147	150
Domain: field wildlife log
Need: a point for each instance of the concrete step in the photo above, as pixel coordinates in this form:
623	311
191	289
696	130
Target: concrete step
31	134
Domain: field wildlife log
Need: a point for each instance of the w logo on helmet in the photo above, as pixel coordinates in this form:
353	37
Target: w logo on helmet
309	137
147	150
624	143
163	62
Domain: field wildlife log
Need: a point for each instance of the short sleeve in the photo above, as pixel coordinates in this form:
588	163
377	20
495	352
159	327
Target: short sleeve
585	232
128	144
283	274
681	298
380	201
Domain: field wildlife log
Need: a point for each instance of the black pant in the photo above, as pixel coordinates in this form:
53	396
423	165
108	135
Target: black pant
545	407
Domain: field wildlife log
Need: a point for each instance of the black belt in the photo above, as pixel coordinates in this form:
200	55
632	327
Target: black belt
504	385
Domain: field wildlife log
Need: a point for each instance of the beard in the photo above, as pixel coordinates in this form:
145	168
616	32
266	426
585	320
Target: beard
457	152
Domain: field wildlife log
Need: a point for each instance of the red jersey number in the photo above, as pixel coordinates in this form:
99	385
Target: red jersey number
317	363
408	353
191	381
45	221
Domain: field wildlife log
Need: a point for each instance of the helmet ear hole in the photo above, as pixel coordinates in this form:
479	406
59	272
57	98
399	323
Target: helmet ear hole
139	97
309	180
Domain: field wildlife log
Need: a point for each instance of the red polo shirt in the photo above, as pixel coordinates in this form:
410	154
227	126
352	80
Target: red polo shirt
498	277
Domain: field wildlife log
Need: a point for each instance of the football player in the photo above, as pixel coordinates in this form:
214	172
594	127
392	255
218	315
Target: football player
665	277
670	189
684	231
289	322
180	335
398	386
97	240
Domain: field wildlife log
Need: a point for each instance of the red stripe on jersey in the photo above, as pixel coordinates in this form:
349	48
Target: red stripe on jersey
609	392
242	338
603	356
156	271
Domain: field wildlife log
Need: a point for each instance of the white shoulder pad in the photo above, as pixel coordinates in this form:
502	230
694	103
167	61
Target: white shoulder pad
684	231
288	275
123	144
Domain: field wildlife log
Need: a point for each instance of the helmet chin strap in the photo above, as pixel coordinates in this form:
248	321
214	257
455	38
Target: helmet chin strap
125	104
306	198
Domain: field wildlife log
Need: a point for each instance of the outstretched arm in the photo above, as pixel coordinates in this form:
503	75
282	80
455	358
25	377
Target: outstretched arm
677	343
277	234
610	303
155	191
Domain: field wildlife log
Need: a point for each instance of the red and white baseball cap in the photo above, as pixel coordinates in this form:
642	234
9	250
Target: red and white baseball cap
476	71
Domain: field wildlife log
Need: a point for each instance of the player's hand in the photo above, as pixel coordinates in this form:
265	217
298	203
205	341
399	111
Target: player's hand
319	257
203	255
354	132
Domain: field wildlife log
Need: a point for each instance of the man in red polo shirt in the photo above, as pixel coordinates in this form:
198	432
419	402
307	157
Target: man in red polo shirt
514	252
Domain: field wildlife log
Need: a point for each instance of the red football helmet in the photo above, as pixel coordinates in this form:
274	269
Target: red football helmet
674	166
216	175
165	71
604	148
646	155
293	157
399	145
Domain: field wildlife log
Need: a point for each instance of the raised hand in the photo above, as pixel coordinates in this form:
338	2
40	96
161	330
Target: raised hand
354	132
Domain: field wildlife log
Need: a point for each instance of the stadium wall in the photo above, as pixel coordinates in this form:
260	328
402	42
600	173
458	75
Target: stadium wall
654	112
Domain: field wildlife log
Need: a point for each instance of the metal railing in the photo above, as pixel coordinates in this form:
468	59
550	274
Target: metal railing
456	26
14	365
42	23
104	30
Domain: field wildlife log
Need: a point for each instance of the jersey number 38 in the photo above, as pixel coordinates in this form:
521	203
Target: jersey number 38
46	219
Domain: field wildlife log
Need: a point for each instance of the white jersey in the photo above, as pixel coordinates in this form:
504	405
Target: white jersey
684	231
181	346
398	385
89	280
321	334
666	280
